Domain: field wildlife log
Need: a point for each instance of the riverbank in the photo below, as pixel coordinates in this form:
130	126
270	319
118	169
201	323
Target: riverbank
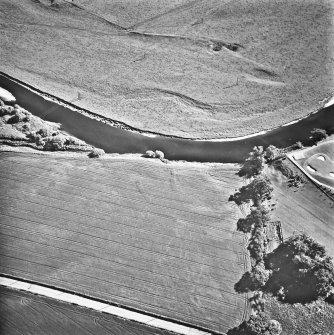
116	140
327	102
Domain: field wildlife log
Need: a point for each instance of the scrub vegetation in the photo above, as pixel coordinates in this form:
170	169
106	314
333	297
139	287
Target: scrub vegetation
19	127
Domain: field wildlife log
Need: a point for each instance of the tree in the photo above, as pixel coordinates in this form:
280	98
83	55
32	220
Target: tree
258	216
257	245
301	270
253	165
259	324
253	280
256	191
318	134
272	153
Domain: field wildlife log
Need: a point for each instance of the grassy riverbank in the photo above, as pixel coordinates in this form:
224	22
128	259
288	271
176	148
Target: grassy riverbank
194	74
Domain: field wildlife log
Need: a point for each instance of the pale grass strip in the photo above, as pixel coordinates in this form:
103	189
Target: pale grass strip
99	306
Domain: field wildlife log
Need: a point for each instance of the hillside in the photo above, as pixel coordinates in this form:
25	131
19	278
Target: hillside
197	69
156	237
26	313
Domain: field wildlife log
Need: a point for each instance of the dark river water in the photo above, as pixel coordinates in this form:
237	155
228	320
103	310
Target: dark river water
115	140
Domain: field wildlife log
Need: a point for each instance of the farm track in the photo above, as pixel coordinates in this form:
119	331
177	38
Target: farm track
158	238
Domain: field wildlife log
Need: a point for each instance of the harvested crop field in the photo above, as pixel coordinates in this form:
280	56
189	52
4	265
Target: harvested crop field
26	313
304	209
156	237
195	69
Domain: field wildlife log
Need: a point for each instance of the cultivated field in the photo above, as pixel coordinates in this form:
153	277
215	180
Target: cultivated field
207	69
26	313
306	209
152	236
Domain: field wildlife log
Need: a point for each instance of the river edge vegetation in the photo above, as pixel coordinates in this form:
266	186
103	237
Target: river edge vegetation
19	127
298	272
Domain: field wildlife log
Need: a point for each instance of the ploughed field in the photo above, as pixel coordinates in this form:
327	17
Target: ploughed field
26	313
156	237
197	69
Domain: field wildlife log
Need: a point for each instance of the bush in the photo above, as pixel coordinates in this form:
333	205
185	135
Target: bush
256	191
47	132
150	154
19	116
260	324
6	110
159	154
96	152
301	270
55	143
318	134
272	153
253	165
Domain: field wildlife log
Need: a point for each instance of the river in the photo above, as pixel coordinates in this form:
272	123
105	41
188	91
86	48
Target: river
116	140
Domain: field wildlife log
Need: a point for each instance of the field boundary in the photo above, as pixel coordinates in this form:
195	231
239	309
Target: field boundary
102	306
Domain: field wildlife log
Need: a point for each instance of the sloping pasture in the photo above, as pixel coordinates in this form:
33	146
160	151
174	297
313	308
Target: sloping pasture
155	237
26	313
306	209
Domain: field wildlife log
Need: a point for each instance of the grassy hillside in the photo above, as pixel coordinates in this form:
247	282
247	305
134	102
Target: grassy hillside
26	313
152	236
221	68
306	209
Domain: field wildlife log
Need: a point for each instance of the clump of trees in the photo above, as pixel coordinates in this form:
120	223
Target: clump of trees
253	280
258	190
259	216
154	154
260	324
253	164
301	271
